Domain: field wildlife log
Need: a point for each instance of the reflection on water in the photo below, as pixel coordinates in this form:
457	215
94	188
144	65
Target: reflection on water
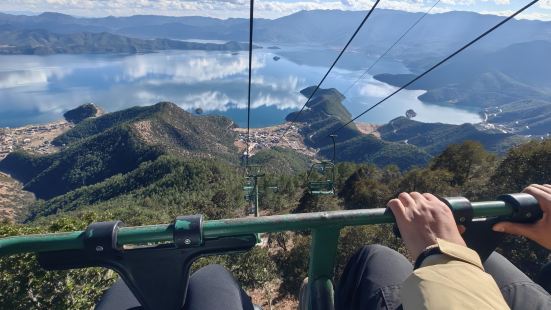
40	88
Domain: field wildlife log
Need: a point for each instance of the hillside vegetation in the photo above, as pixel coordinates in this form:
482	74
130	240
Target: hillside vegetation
82	112
159	190
435	137
404	142
119	142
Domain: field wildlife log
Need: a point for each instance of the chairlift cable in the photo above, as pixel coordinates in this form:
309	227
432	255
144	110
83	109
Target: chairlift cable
250	78
391	47
333	65
439	63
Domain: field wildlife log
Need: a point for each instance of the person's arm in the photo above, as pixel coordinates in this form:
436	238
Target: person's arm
540	231
450	275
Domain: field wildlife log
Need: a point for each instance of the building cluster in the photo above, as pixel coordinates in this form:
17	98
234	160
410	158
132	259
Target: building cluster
34	138
270	137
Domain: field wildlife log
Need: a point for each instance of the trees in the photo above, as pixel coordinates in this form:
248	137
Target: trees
523	165
462	160
364	189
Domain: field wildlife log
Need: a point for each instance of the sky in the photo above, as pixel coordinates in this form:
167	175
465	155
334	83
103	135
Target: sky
263	8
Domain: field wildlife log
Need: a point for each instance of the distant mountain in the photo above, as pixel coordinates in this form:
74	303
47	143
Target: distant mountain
43	42
484	79
99	148
435	35
493	82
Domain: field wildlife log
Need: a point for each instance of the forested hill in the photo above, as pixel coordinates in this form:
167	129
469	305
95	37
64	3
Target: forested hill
403	142
325	113
435	137
119	142
43	42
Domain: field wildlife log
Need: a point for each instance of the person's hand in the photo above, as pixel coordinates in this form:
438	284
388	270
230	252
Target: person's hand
421	219
539	231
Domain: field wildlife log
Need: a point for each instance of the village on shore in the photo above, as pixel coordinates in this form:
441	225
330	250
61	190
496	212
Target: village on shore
36	139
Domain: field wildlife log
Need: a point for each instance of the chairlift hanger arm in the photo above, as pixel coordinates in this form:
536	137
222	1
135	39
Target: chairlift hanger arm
230	227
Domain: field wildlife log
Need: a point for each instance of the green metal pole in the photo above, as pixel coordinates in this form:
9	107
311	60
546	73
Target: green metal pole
257	207
323	254
228	227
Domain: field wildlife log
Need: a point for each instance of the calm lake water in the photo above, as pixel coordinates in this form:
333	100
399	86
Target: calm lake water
37	89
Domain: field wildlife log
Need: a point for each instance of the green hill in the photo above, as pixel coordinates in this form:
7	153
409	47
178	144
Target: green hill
326	113
369	149
165	185
323	115
435	137
82	112
325	103
119	142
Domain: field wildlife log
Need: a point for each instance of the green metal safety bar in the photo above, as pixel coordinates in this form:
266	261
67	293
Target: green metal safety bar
325	228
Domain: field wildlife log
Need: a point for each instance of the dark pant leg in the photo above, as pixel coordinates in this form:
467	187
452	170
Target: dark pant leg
544	277
213	287
519	291
372	279
118	297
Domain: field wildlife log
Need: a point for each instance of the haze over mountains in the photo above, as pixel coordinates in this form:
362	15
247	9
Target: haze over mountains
437	33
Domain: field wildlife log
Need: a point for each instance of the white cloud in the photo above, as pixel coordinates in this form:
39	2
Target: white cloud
523	15
374	88
34	78
459	2
237	8
183	69
545	4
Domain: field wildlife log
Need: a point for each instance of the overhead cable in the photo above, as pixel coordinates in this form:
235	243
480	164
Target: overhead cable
391	47
440	63
250	79
333	65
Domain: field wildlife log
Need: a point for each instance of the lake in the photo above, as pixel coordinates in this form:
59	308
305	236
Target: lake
38	89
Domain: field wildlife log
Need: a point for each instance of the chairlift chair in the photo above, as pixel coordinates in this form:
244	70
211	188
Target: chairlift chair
325	184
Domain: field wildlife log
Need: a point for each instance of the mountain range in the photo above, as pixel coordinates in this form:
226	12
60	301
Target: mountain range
43	42
515	79
435	35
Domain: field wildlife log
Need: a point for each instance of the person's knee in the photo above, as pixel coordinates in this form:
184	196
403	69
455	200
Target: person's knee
212	269
374	250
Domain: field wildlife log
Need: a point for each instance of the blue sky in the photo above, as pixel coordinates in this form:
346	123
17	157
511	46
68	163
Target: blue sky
264	8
